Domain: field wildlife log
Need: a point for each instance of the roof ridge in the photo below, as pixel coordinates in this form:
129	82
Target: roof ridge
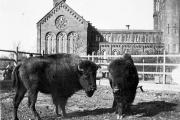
76	13
51	11
67	8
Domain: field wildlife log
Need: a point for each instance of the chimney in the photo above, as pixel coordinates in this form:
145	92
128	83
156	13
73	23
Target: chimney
56	2
128	26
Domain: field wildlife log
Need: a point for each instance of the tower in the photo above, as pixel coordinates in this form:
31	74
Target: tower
166	18
155	15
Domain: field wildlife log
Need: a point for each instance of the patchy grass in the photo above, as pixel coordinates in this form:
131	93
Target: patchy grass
150	105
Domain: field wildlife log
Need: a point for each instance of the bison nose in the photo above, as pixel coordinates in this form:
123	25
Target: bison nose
115	90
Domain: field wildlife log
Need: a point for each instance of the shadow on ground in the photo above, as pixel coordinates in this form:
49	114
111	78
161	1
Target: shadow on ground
97	111
152	108
144	109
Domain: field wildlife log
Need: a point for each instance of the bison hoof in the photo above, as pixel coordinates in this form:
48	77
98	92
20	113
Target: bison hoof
64	116
119	117
58	118
61	116
16	119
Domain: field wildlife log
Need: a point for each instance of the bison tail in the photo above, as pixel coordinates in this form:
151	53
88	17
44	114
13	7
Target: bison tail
15	76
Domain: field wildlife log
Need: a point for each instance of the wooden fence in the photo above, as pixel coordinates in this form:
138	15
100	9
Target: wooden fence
17	57
16	53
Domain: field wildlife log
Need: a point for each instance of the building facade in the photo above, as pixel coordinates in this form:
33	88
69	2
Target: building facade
62	30
135	42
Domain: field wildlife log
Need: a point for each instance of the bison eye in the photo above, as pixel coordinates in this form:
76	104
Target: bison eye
86	73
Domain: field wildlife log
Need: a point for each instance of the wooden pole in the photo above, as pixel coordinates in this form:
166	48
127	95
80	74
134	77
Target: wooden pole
143	69
43	52
164	67
93	53
17	54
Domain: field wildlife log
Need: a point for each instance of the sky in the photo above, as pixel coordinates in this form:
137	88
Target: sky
19	18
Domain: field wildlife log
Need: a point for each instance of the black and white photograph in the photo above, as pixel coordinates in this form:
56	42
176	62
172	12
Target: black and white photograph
89	60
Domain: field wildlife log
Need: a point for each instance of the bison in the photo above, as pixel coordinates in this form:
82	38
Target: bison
59	75
123	78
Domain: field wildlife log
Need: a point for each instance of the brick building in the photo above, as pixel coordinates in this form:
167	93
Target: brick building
116	42
64	30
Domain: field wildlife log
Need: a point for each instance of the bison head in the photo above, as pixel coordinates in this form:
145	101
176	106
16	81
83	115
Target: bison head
87	79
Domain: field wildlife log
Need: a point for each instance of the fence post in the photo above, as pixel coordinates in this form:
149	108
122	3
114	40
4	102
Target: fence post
164	67
17	54
105	57
43	52
88	56
143	68
93	56
157	64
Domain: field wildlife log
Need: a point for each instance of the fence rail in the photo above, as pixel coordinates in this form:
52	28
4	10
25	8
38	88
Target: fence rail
163	64
16	53
7	62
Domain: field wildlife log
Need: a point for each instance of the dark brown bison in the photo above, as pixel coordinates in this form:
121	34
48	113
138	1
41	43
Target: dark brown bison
123	79
60	75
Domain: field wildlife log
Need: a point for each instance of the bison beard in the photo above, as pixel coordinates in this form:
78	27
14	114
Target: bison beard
60	75
123	80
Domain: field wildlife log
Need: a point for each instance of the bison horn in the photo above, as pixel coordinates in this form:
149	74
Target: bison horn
80	69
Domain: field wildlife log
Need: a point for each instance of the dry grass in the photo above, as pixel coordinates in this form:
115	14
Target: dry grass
147	105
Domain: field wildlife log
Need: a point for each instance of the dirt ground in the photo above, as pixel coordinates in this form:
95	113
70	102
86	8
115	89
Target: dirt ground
148	105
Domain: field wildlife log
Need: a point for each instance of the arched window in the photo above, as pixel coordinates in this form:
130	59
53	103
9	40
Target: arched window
72	44
62	42
50	43
115	52
53	44
103	52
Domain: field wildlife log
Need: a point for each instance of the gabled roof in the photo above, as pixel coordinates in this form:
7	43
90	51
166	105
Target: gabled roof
63	5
